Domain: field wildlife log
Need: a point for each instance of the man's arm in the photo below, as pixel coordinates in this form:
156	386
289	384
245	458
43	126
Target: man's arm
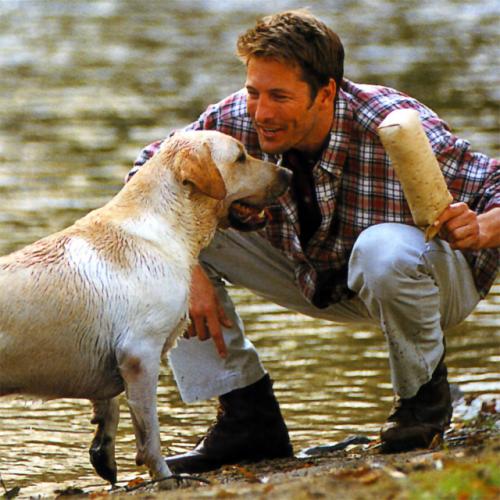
206	312
466	230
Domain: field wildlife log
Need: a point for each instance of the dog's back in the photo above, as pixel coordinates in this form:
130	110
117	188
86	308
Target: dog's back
67	301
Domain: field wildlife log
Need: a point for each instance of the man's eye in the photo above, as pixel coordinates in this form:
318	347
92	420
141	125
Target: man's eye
280	98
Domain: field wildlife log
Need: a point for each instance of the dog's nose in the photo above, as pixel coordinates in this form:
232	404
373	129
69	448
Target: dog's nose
284	180
285	176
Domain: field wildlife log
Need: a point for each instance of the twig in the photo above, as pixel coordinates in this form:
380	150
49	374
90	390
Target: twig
178	477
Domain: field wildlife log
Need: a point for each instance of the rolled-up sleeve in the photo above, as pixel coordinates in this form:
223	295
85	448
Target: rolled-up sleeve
472	177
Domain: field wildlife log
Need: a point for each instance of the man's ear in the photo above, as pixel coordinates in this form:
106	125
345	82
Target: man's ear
200	171
328	92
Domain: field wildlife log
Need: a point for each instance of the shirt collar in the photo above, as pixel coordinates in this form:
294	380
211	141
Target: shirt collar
335	155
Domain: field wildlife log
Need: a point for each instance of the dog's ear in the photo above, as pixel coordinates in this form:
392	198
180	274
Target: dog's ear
201	171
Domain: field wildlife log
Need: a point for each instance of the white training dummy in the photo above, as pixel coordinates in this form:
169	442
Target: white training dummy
416	166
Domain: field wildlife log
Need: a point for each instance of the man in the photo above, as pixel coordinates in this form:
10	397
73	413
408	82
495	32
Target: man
319	253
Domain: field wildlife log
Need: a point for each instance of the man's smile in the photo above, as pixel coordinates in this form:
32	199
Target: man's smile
269	131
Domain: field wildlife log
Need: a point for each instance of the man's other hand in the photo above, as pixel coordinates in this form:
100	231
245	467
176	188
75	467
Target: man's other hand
463	229
206	312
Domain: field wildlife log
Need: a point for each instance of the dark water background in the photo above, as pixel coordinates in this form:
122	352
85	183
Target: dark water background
84	85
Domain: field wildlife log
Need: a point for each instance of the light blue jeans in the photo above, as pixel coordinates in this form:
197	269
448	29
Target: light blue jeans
411	289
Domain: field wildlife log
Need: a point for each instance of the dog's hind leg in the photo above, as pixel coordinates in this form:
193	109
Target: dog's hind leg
102	449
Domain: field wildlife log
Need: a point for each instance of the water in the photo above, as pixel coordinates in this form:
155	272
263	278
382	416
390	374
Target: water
86	84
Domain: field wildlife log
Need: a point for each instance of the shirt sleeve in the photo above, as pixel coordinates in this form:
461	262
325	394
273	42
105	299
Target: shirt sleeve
472	177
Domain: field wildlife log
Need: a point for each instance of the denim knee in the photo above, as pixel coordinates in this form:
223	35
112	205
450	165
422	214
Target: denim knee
383	256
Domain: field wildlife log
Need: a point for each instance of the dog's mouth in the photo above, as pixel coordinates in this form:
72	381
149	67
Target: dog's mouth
245	217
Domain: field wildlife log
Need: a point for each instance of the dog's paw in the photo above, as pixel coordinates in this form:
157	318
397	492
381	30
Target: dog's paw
103	463
164	478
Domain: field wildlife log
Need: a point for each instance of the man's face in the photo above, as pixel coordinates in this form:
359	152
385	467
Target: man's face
282	111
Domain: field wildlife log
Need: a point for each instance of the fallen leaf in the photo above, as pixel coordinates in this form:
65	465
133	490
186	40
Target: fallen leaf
268	488
304	465
224	494
98	494
358	473
135	483
370	477
248	475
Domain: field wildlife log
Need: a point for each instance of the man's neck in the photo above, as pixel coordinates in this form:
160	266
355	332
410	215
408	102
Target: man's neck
311	156
324	128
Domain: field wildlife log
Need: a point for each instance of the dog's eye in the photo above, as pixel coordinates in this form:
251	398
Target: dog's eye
241	157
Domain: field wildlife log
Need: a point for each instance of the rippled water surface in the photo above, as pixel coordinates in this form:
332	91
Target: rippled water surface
86	84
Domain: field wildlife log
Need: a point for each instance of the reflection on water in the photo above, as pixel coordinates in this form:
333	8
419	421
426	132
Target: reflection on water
85	84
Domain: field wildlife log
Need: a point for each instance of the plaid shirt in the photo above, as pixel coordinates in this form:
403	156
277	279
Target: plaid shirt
356	186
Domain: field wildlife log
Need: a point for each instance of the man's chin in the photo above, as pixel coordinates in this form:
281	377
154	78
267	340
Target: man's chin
272	148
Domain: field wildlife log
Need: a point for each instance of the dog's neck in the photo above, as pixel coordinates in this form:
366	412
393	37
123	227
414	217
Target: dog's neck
161	210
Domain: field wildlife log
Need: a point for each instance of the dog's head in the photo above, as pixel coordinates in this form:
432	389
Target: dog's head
216	165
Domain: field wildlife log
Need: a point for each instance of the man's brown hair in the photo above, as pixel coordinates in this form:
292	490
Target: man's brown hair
297	37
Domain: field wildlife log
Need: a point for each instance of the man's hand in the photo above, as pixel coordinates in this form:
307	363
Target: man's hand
463	229
206	312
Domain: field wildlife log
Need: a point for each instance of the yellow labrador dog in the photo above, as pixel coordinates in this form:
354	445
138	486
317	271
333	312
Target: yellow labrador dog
88	312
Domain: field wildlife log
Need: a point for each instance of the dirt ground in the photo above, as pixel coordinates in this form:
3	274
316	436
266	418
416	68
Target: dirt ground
356	473
464	466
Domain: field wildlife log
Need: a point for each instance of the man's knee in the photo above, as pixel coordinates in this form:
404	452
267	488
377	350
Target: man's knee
383	255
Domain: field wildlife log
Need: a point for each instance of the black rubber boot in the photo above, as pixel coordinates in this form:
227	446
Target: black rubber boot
249	428
414	422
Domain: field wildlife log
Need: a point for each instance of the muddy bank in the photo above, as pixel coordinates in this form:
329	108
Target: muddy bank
467	468
465	465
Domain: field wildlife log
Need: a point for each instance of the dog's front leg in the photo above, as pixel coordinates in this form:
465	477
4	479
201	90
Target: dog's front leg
102	449
139	367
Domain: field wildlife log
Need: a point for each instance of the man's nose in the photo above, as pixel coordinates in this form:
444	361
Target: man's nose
263	110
